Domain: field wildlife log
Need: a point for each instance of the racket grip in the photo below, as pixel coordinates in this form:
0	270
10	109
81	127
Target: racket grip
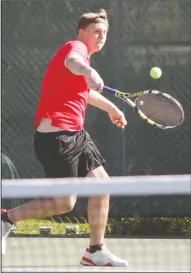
110	90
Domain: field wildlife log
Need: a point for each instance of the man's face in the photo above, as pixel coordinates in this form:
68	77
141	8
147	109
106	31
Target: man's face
94	36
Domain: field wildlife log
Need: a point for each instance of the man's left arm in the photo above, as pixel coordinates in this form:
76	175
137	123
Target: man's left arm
99	101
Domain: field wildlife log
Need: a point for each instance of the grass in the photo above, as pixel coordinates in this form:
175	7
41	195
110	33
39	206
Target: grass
58	228
128	226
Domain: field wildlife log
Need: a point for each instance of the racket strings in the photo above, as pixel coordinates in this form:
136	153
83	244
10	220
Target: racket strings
163	116
160	109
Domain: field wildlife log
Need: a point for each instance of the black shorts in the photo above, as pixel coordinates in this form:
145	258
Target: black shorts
67	154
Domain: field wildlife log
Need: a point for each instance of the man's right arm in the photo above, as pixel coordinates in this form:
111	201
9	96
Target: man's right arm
76	64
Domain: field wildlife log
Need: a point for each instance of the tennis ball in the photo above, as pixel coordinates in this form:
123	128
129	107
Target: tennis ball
155	72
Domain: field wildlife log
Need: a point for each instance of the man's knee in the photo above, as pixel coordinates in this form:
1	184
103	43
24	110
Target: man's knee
70	205
99	173
65	204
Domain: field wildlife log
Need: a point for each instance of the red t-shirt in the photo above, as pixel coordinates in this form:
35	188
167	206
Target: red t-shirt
64	95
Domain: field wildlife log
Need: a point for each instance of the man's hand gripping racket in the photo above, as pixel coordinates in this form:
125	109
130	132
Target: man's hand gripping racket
154	107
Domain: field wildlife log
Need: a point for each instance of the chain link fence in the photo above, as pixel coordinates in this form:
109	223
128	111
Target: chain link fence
142	34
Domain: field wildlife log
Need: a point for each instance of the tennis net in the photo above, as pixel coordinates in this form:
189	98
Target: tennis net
149	224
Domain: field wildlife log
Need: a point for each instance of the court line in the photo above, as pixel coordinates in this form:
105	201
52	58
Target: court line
69	269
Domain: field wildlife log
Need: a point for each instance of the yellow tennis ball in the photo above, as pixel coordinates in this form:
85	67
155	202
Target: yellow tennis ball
155	72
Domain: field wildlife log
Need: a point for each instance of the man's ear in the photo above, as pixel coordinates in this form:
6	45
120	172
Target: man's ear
81	33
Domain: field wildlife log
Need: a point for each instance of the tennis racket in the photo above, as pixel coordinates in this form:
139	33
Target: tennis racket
154	107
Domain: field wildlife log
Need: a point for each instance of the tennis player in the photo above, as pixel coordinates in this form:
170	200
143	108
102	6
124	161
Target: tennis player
62	145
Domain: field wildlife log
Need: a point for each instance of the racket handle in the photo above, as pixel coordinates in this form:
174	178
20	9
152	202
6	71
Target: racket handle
110	90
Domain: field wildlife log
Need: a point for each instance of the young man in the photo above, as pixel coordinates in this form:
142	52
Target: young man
62	145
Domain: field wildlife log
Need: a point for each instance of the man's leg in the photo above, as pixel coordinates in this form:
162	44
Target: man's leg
31	210
42	208
98	208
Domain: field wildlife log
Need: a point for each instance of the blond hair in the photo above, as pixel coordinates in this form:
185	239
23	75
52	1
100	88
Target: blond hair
93	17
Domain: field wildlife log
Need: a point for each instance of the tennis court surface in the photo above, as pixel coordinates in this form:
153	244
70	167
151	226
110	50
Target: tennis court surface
62	254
